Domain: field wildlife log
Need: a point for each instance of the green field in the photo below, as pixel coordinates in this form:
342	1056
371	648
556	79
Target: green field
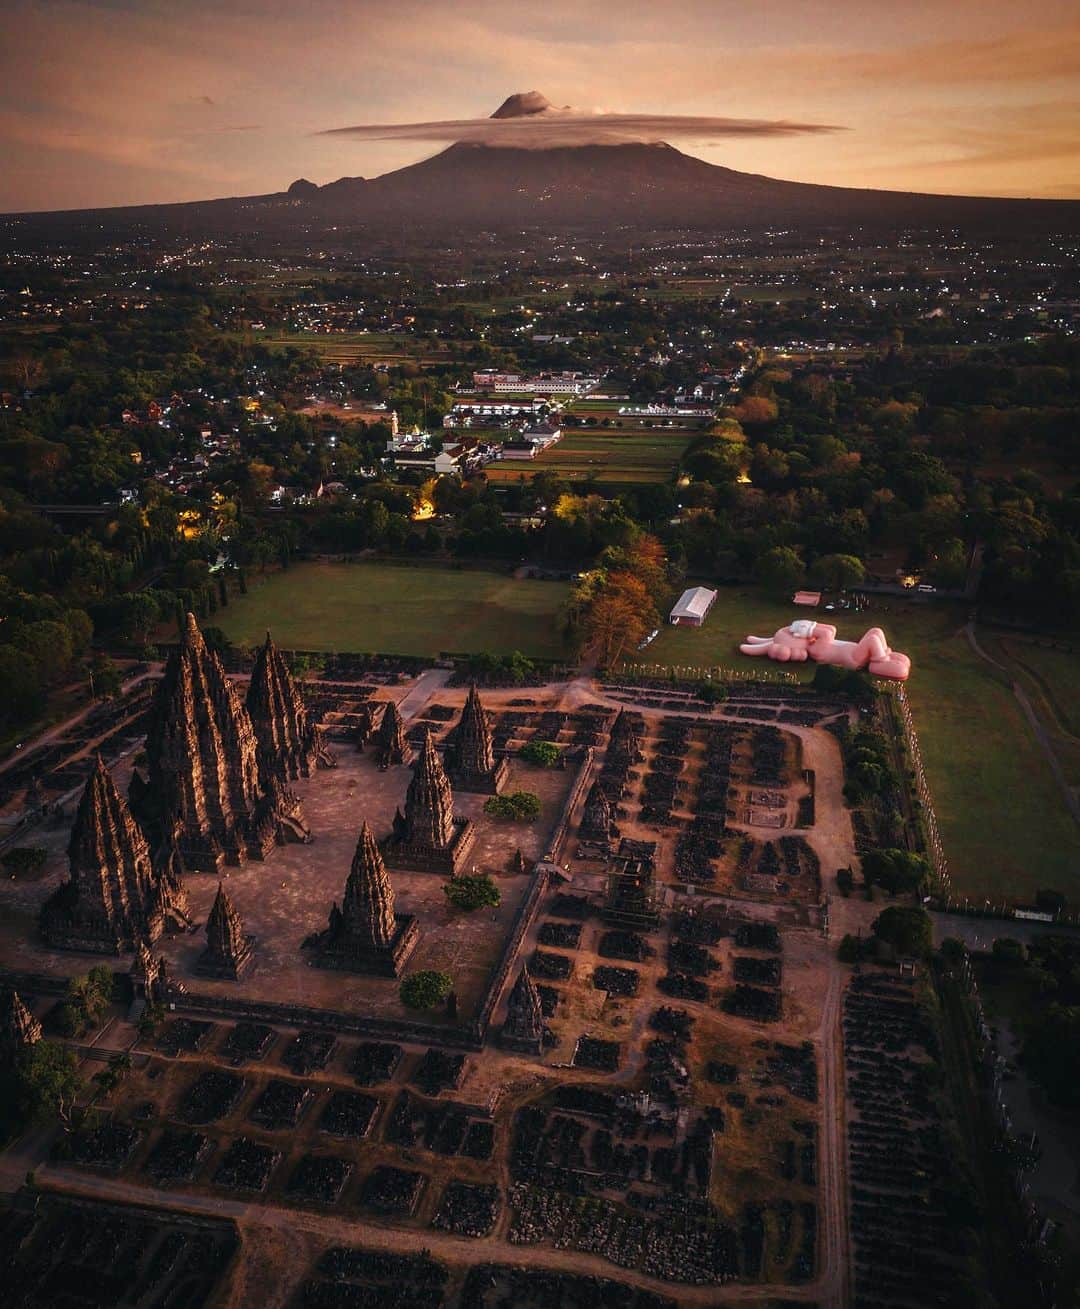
1003	818
384	608
635	455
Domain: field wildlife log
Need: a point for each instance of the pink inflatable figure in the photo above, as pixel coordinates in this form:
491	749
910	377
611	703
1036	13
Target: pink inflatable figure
805	639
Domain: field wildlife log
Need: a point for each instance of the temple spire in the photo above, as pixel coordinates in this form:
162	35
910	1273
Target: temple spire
114	895
203	757
391	745
367	911
228	949
474	765
19	1029
366	935
289	743
598	816
475	749
429	803
524	1025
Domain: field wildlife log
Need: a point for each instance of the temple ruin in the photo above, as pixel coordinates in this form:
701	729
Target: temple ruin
289	742
115	895
474	765
523	1029
207	794
427	837
365	935
228	950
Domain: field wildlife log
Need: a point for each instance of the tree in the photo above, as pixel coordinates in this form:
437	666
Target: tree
105	677
425	989
850	950
544	753
471	891
49	1085
896	871
837	571
520	806
953	951
907	929
1008	952
780	569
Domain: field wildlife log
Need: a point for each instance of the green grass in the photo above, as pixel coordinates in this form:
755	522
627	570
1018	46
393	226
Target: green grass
1003	819
383	608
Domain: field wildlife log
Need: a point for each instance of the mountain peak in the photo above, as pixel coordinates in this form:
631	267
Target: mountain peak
523	104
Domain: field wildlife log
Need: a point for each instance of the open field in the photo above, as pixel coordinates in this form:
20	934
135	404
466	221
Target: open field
635	455
1003	818
384	608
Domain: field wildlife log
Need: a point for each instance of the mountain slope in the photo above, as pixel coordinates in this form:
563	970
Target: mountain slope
607	186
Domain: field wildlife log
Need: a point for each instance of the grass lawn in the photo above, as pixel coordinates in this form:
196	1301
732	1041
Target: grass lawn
390	609
1003	819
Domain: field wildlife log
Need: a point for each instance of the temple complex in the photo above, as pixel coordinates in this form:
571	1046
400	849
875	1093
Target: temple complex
428	838
114	895
391	744
289	743
18	1026
474	766
365	935
523	1029
228	950
206	793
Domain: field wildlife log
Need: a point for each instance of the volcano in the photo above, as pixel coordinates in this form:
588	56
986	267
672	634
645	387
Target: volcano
604	183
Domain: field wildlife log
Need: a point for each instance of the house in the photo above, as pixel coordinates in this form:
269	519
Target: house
518	449
692	607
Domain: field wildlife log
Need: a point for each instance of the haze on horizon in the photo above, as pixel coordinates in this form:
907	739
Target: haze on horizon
110	102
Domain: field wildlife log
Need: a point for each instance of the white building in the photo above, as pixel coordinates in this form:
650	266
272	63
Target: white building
692	607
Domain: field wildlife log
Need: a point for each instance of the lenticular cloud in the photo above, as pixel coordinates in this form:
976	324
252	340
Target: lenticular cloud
529	120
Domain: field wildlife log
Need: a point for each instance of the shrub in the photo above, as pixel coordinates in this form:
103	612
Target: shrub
24	860
425	989
544	753
520	806
472	891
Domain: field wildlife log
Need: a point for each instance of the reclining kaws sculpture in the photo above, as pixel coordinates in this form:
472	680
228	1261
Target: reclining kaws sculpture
805	639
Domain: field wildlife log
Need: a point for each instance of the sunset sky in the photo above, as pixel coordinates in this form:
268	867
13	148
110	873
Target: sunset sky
106	102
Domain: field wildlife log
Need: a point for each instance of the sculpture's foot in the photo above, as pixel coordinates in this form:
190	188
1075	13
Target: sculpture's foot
897	667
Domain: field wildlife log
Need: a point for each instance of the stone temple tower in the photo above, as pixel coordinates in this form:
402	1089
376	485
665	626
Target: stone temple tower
523	1029
475	767
228	950
115	895
428	837
366	935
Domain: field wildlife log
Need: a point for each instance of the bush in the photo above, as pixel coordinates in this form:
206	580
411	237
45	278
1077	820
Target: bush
850	950
24	860
426	989
908	931
472	891
544	753
520	806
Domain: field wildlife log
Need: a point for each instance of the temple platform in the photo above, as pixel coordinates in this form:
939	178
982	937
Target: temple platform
346	958
462	779
446	861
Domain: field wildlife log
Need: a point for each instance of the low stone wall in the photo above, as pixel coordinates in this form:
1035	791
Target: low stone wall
558	837
522	920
